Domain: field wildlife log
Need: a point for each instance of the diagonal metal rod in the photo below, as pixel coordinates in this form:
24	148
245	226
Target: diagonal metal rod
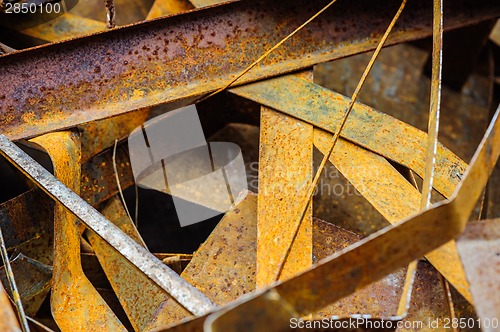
433	126
336	136
110	13
433	130
183	292
13	286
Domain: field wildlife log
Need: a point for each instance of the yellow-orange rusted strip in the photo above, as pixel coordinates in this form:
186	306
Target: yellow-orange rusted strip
76	305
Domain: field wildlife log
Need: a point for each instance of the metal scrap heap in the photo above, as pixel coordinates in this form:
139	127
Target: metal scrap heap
205	165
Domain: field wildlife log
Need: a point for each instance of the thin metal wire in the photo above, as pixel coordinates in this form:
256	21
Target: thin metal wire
312	188
46	328
136	216
13	285
118	182
110	13
411	271
263	56
433	126
449	299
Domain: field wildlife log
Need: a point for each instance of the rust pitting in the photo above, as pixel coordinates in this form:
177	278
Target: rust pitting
92	97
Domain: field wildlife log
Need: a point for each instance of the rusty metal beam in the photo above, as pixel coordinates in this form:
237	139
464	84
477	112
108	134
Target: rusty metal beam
156	62
285	174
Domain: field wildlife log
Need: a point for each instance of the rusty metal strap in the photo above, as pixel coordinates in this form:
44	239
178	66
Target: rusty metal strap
366	261
195	53
367	127
178	288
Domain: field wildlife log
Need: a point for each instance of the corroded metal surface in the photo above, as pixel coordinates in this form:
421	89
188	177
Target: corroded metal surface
94	85
378	300
71	290
374	131
41	248
368	260
446	258
33	281
225	268
26	217
99	135
130	285
98	182
398	88
147	64
11	281
307	200
373	176
428	300
285	174
142	259
391	243
480	253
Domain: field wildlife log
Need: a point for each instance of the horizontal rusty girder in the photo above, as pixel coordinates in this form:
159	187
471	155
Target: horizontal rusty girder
191	54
